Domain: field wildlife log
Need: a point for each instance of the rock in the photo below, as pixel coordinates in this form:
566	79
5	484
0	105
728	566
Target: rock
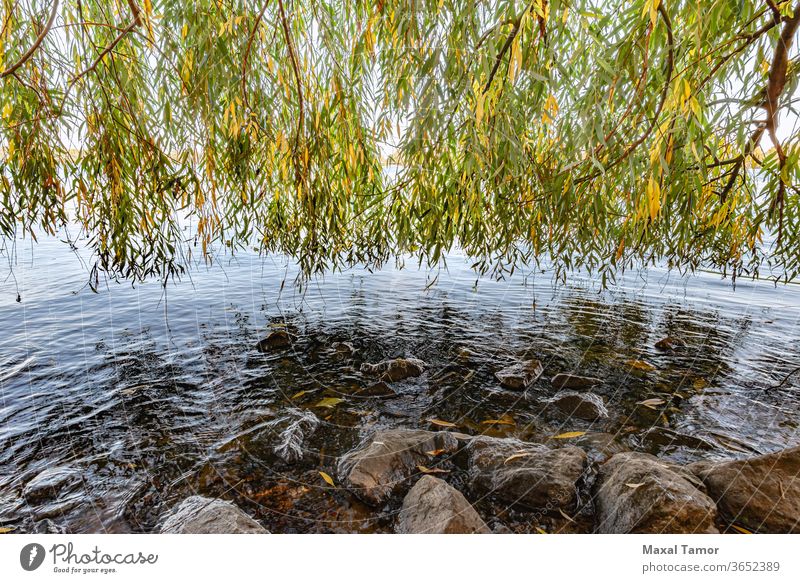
664	437
525	473
344	349
586	406
669	344
47	526
638	493
601	446
201	515
573	381
521	375
381	464
433	506
761	493
395	369
275	340
379	390
51	483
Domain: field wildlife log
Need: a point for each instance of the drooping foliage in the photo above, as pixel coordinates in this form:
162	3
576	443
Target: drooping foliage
592	133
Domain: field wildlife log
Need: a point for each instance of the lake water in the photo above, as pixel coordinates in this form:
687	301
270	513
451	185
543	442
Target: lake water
153	395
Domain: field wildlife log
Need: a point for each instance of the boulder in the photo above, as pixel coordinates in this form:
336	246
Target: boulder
761	493
670	343
51	483
638	493
381	464
201	515
586	406
528	474
274	340
433	506
573	381
395	369
521	375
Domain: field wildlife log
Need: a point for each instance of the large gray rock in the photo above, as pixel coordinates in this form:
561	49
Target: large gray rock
381	464
573	381
761	493
638	493
395	369
528	474
201	515
586	406
51	483
433	506
521	375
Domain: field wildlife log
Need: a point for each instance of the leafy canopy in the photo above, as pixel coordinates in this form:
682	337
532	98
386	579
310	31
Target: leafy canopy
594	133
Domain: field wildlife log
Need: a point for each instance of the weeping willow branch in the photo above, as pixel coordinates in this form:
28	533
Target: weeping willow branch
37	43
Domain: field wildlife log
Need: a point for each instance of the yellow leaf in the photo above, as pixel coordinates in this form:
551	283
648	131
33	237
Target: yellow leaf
327	479
740	529
634	486
425	470
329	402
651	403
640	365
435	452
516	456
504	420
540	531
7	109
441	423
569	435
6	529
298	394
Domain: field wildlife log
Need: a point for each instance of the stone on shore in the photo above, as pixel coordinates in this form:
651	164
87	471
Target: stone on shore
527	474
573	381
201	515
761	493
433	506
381	465
521	375
586	406
395	369
51	483
638	493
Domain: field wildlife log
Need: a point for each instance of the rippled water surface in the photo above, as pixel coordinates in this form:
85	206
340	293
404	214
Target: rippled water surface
154	396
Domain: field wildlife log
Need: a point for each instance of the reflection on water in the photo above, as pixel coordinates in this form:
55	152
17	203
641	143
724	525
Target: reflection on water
154	396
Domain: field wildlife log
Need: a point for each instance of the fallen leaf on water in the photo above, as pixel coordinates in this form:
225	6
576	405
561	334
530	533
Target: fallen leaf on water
327	479
640	365
634	486
516	456
651	403
329	402
740	529
700	384
441	423
298	395
569	434
425	470
435	452
6	529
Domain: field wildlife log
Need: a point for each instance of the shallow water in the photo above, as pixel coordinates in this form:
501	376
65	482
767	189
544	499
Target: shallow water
155	396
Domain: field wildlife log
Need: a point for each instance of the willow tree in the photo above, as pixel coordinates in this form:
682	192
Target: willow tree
597	134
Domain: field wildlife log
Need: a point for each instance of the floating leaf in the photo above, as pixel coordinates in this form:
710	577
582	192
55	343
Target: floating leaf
652	403
327	479
441	423
569	435
426	470
329	402
641	365
297	395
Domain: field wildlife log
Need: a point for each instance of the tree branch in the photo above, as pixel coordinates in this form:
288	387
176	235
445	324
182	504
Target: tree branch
29	53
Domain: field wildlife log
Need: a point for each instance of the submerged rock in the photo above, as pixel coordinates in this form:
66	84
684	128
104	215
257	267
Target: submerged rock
433	506
586	406
395	369
638	493
382	463
379	390
51	483
521	375
529	474
344	348
275	340
761	493
201	515
670	343
573	381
